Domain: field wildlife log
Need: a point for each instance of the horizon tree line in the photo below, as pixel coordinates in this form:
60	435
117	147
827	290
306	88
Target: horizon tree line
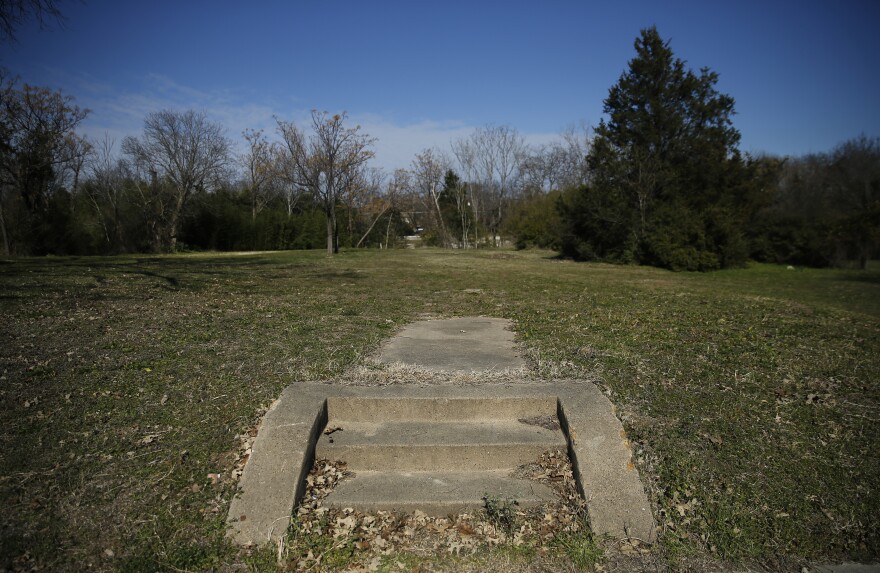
661	181
182	156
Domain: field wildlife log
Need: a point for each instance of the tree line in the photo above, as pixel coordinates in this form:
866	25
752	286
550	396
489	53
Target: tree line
660	181
179	184
667	185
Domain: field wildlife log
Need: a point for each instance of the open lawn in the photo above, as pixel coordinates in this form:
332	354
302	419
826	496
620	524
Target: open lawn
752	397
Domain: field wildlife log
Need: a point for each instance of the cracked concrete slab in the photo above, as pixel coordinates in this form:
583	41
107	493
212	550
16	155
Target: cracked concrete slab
465	344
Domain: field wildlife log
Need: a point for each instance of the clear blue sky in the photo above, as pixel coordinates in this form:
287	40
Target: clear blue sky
805	74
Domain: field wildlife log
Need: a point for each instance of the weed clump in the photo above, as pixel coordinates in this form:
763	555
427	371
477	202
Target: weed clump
501	511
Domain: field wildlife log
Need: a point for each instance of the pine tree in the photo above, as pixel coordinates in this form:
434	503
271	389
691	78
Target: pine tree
668	185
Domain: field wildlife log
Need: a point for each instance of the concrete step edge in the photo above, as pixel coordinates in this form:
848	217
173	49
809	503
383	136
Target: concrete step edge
442	458
472	432
359	408
434	492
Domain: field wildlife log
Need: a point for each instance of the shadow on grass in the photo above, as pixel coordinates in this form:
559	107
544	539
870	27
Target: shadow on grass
348	274
27	278
866	276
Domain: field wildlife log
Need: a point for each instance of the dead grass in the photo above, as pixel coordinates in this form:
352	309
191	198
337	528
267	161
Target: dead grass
127	384
377	374
324	538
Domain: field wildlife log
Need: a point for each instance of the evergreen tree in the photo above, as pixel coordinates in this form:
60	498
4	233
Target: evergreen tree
668	185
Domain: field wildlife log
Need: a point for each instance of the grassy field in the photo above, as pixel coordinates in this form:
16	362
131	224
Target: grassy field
751	396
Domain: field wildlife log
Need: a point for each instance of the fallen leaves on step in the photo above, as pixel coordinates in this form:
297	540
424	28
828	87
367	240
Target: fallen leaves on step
365	539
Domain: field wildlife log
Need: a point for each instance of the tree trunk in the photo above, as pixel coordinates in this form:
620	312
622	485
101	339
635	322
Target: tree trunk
464	231
3	230
388	229
476	210
156	231
376	220
331	231
175	220
443	234
864	252
117	227
172	233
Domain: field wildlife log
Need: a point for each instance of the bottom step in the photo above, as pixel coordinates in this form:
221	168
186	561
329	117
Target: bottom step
435	493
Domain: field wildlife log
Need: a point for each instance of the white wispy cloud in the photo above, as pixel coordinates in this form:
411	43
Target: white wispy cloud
119	112
397	144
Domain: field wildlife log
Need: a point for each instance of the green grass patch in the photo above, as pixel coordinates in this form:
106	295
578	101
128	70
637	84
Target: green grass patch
750	396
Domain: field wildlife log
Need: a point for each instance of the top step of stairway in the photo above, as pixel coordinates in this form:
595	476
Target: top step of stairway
466	344
439	409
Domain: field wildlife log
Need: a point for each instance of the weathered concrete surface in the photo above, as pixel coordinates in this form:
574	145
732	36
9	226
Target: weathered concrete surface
432	407
598	447
436	446
602	456
435	493
467	344
281	457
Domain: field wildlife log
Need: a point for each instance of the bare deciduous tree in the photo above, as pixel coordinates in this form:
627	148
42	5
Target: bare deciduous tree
184	153
541	168
76	151
37	144
854	181
7	87
499	150
559	164
575	147
262	166
14	13
468	202
397	191
38	140
326	163
375	203
105	191
427	175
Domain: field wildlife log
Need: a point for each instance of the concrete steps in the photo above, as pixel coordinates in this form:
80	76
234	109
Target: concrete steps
426	446
274	479
439	409
438	455
435	493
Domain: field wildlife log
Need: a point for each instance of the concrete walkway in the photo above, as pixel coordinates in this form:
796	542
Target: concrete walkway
409	429
469	344
476	425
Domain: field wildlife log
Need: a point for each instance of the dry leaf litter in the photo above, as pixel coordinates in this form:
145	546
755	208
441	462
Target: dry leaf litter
370	536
